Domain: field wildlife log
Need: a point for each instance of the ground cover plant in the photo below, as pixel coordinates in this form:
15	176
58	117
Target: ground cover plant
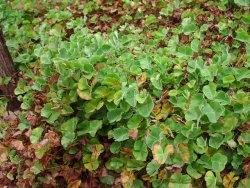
122	93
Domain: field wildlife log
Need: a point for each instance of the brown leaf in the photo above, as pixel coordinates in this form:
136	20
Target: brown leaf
16	134
3	154
17	144
126	151
11	118
74	184
174	168
100	66
46	160
28	133
40	98
201	19
70	174
53	138
141	79
133	133
244	127
184	39
246	166
32	118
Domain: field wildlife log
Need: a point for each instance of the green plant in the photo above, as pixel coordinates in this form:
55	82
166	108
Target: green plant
168	106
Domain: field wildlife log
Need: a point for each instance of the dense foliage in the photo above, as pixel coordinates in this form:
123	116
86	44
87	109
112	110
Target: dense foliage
127	93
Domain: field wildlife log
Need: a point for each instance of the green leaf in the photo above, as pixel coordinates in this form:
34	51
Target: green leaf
193	172
184	51
219	162
39	152
36	135
195	45
180	181
50	113
241	34
154	135
90	127
133	164
150	19
68	130
83	84
244	138
156	81
45	58
188	26
108	180
115	147
37	167
145	108
241	73
87	68
210	179
69	125
229	124
140	150
14	157
131	93
193	114
242	2
213	111
201	145
210	91
152	168
115	163
118	96
142	96
138	184
90	162
102	92
216	140
67	139
114	115
120	134
134	121
228	79
93	105
222	98
244	183
145	63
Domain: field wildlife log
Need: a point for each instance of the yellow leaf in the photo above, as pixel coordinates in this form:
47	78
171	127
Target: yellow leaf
162	110
97	149
170	149
127	178
229	180
158	154
184	152
86	95
163	174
